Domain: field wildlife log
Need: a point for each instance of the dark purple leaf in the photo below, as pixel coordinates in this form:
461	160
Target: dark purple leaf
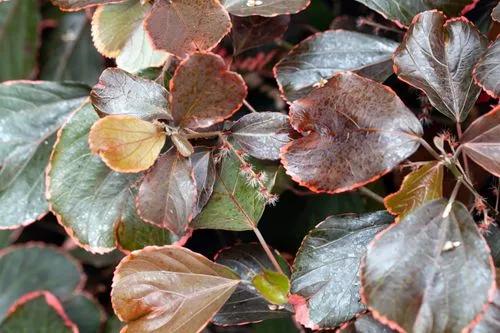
326	270
355	130
167	195
487	71
431	272
262	134
321	56
366	324
437	57
491	320
204	175
254	31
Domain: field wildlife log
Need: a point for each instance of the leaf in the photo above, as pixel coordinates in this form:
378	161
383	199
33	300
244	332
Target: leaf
234	205
19	39
326	269
67	54
38	312
356	130
495	14
273	286
366	323
89	199
85	312
167	195
431	272
269	8
246	304
30	114
37	263
169	289
7	237
321	56
481	141
118	32
487	71
121	93
192	25
490	322
254	31
204	175
437	57
113	325
74	5
403	11
204	92
127	143
492	236
262	134
418	187
281	325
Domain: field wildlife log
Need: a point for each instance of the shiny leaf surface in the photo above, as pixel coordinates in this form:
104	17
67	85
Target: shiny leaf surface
192	25
487	71
30	115
167	195
121	93
431	272
356	130
204	92
262	134
318	58
169	290
419	186
326	269
85	312
205	172
246	304
273	286
437	57
126	143
366	324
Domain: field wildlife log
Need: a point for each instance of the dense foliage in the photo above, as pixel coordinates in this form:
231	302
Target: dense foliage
256	166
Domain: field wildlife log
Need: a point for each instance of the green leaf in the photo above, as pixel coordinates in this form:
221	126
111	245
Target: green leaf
67	53
30	115
435	255
37	312
85	312
19	39
403	11
234	205
43	268
418	187
246	304
8	237
169	289
326	269
89	198
273	286
437	56
118	32
113	325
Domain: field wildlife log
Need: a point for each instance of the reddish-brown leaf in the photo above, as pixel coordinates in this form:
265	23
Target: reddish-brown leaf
204	92
254	31
481	141
167	196
182	27
355	130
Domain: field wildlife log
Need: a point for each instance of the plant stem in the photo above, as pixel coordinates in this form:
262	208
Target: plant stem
372	195
466	161
249	107
429	149
268	251
453	196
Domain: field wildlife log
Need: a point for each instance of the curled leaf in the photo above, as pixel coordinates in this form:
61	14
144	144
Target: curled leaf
182	27
481	141
422	185
167	195
355	130
204	174
438	56
126	143
169	290
273	286
204	92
